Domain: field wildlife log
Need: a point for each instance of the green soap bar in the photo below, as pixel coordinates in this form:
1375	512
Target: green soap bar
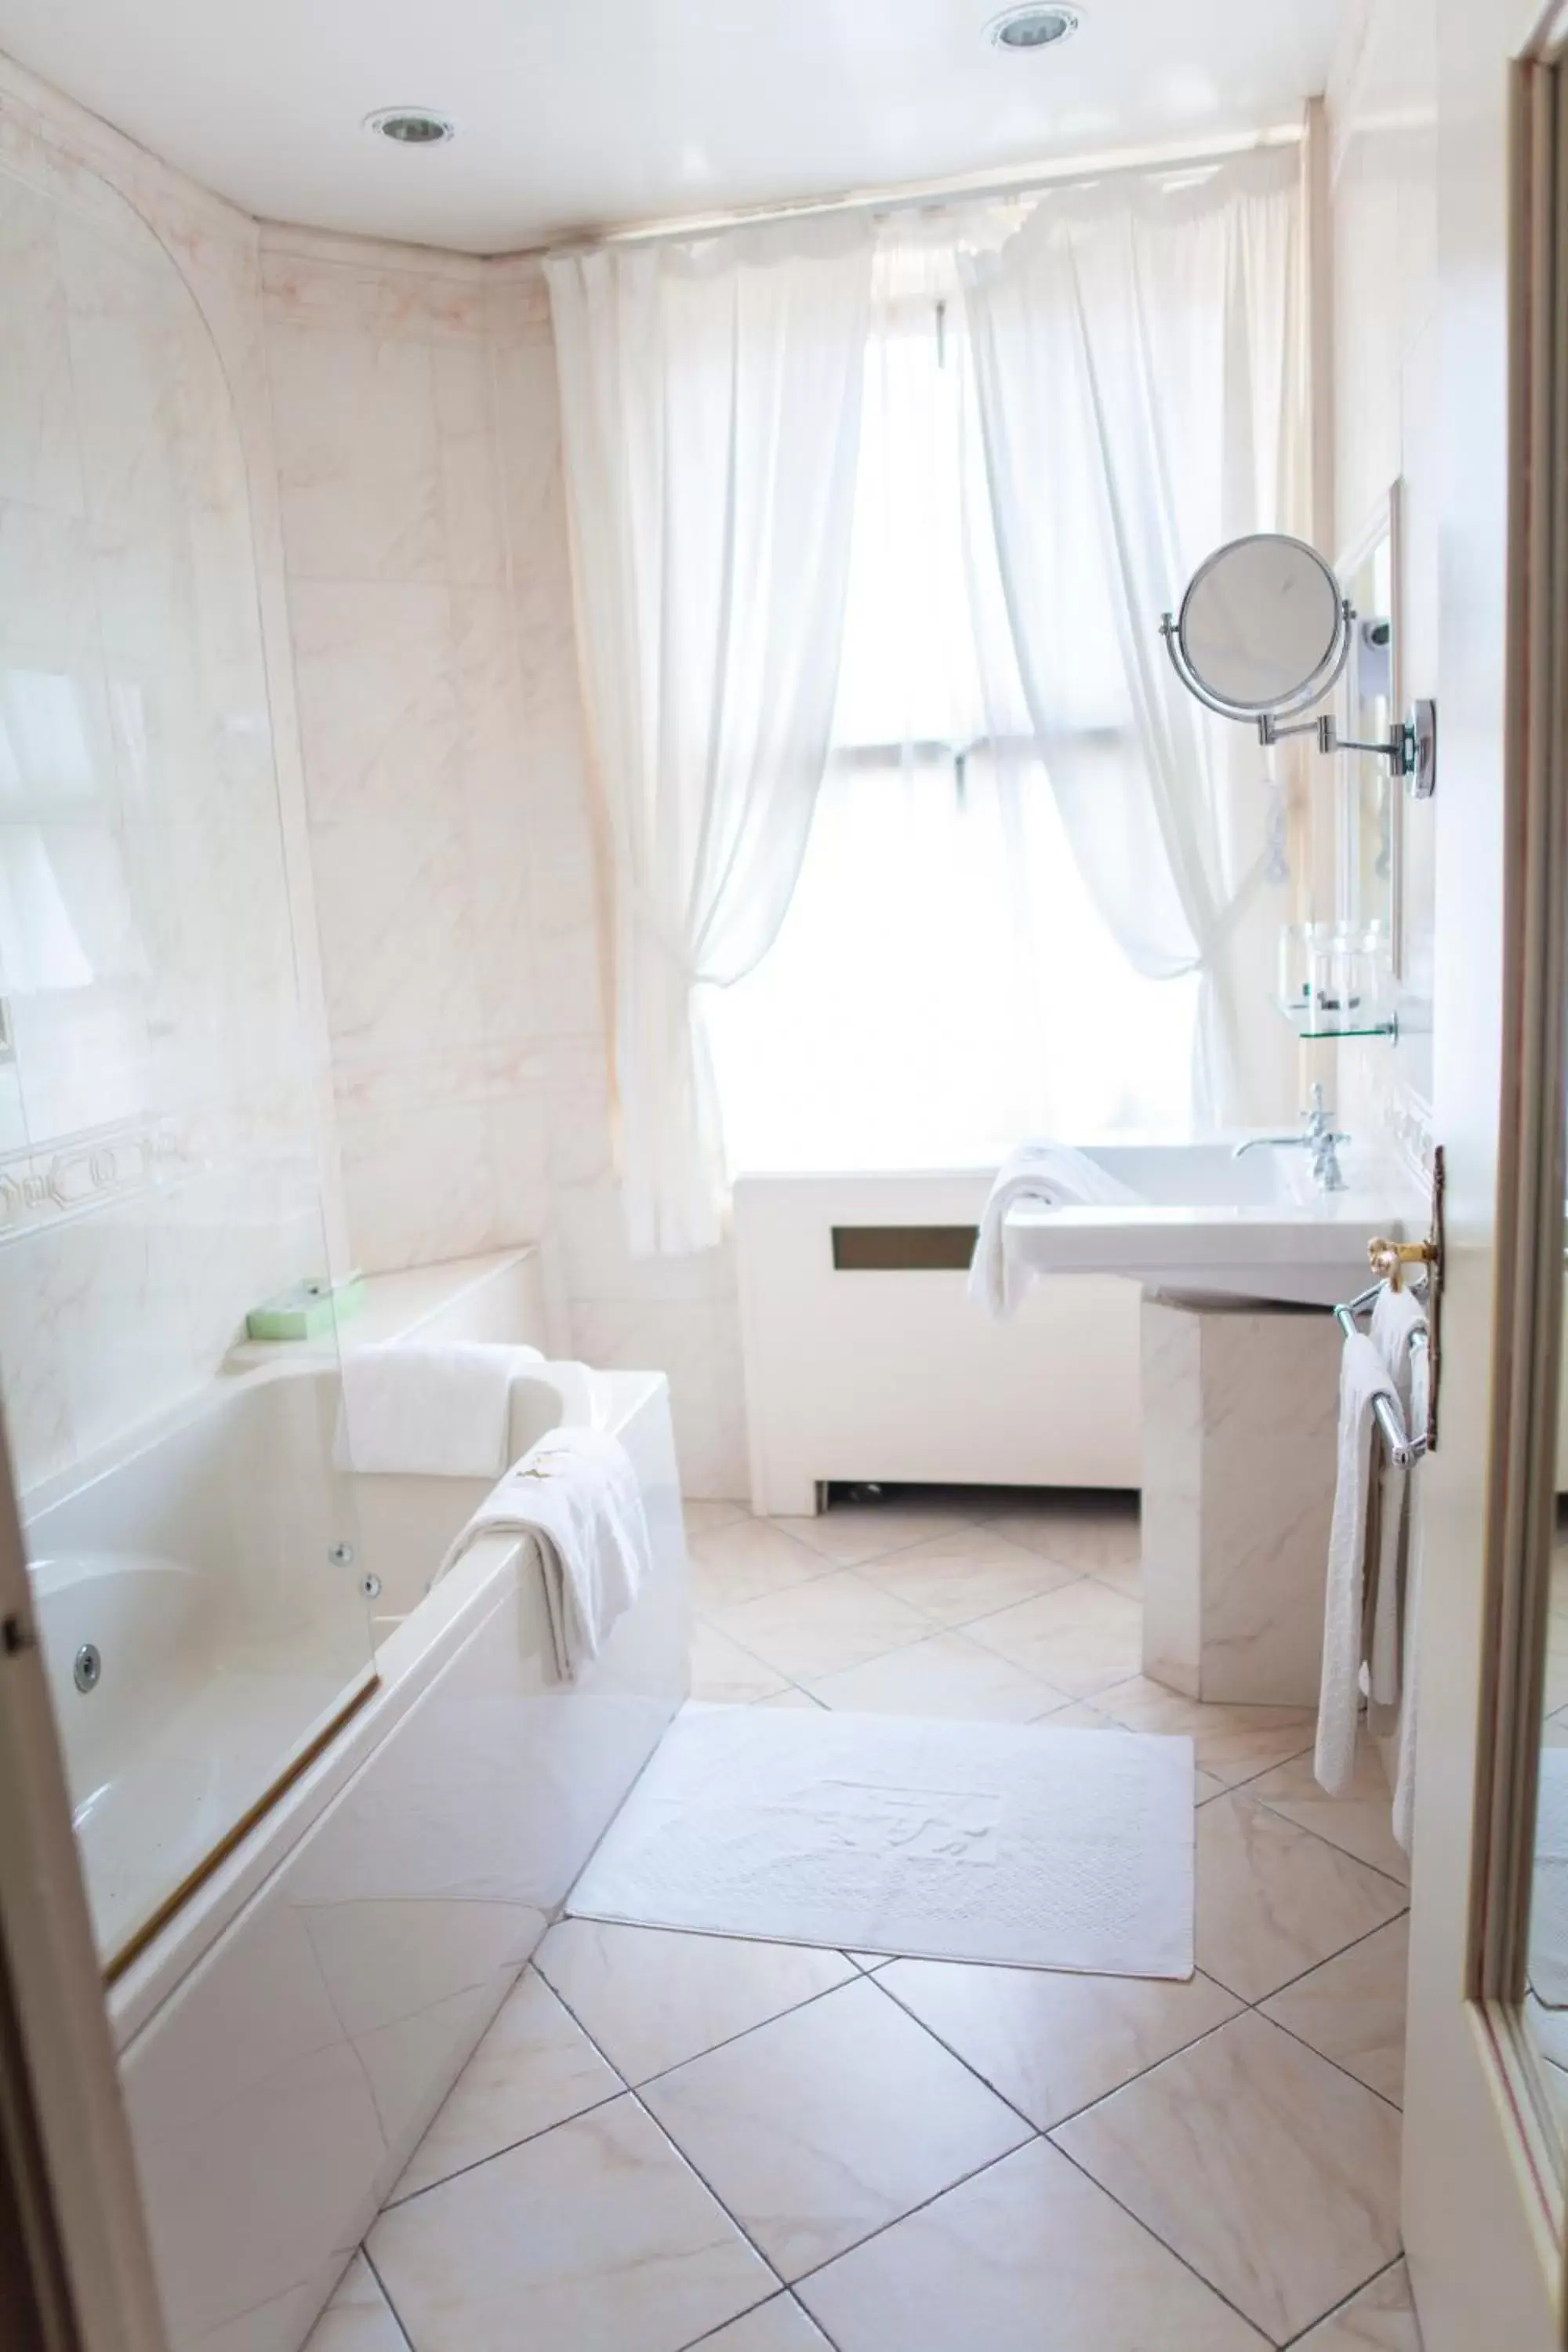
308	1311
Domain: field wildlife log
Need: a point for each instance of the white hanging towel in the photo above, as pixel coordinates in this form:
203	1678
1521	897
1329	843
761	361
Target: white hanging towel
441	1410
577	1493
1363	1378
1053	1173
1405	1776
1398	1319
1397	1316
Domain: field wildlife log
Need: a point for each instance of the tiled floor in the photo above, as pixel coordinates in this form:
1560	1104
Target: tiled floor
670	2140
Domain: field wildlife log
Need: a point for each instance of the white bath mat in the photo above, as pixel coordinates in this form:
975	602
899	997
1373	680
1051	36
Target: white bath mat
890	1833
1548	1887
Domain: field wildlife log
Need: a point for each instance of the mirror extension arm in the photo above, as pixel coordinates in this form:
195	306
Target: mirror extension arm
1410	746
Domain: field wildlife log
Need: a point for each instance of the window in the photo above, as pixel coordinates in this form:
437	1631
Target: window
942	985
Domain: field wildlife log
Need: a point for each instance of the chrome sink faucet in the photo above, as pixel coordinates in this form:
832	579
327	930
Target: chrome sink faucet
1318	1136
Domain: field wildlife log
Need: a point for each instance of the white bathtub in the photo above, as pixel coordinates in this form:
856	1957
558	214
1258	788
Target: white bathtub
289	2034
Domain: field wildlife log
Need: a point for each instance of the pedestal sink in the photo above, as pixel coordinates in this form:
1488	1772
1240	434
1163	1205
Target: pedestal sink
1205	1223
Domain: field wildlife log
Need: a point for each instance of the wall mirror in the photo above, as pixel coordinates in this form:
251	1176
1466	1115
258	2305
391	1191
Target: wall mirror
1263	629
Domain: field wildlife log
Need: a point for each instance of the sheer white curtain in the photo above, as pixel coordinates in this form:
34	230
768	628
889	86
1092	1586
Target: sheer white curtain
944	983
1138	367
710	404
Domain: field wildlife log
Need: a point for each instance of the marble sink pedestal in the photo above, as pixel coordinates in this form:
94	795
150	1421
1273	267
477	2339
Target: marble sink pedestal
1240	1413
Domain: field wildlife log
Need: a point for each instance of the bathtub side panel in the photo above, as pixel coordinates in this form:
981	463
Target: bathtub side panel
279	2092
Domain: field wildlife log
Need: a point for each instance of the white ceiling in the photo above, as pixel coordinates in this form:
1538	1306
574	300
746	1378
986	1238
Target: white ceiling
572	114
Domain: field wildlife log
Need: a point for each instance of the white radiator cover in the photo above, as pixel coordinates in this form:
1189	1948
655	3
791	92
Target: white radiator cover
894	1376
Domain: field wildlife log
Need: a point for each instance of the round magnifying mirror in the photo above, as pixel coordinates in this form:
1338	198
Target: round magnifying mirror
1262	627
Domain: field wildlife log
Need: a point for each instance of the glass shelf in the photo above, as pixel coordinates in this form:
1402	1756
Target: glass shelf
1313	1025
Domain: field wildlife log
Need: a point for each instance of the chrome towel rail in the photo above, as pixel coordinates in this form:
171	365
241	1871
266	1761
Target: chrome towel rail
1404	1447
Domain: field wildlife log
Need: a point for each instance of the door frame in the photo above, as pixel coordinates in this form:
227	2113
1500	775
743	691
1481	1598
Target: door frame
70	2210
1484	2191
1533	1165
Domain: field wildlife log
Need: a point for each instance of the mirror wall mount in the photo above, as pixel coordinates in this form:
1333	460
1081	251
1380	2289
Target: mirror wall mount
1410	748
1264	632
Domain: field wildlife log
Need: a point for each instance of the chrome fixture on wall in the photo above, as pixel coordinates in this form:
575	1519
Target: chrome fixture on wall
1317	1135
1264	632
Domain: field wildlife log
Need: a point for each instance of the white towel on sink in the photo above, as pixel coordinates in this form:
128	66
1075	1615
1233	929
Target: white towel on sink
576	1493
1363	1378
438	1411
1053	1173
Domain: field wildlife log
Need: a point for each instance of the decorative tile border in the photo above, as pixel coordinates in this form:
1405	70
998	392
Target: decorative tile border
82	1171
1407	1122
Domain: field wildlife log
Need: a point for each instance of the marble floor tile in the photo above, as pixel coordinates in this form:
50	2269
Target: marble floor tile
1050	2042
948	1675
969	1573
1028	2257
747	1557
534	2068
1274	1900
1232	1742
777	2326
1381	2319
598	2236
835	1622
1206	1786
1556	2085
1081	1638
1548	2029
829	2123
701	1518
725	1674
652	1999
1124	1575
359	2318
1352	2009
788	1698
852	1532
1361	1821
1272	2173
1095	1534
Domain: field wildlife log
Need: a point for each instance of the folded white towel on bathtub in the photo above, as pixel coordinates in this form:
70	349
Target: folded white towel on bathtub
577	1495
440	1411
1054	1173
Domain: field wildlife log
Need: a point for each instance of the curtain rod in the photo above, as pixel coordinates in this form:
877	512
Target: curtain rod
915	196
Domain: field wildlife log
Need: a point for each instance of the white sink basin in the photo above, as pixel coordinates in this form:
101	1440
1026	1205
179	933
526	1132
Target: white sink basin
1207	1222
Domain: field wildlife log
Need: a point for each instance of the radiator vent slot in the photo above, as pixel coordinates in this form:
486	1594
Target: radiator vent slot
903	1249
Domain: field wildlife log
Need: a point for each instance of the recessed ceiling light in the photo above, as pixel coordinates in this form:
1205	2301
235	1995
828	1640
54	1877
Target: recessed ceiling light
1033	27
410	126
